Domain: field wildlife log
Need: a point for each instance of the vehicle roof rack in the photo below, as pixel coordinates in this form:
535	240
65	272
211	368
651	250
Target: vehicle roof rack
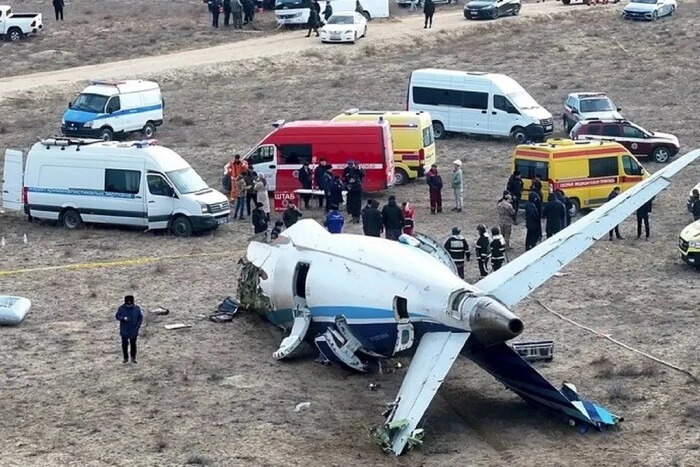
107	81
67	141
611	119
144	143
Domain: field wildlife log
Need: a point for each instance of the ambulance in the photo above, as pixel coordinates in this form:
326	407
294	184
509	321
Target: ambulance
587	171
280	155
412	137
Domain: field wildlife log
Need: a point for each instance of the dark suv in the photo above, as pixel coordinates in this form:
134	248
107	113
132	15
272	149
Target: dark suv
660	147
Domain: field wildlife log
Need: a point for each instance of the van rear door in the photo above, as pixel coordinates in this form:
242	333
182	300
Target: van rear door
12	180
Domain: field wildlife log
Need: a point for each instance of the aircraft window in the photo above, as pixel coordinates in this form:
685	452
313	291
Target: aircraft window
401	307
300	275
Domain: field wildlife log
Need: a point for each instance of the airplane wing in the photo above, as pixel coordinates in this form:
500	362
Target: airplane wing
436	353
522	276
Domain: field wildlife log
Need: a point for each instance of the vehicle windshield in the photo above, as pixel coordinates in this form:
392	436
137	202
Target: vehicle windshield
341	20
187	181
94	103
648	2
291	4
522	100
597	105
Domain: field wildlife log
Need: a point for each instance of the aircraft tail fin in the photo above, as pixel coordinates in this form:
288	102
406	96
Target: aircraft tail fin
504	364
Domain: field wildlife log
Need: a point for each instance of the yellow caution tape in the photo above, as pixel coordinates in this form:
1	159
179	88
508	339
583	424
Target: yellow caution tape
116	263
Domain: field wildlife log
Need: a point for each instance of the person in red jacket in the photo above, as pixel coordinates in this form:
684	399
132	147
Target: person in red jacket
409	215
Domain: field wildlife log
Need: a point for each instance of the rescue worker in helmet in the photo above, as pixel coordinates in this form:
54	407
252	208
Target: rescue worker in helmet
458	248
483	250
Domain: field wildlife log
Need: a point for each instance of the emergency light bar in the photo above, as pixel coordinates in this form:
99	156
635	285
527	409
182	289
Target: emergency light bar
107	82
145	143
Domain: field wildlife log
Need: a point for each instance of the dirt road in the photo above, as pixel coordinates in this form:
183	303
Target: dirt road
291	42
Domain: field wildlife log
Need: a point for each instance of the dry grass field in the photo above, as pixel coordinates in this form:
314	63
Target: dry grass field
213	395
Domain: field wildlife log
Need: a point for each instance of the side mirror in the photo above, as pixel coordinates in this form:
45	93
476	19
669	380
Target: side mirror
574	111
70	105
619	109
110	111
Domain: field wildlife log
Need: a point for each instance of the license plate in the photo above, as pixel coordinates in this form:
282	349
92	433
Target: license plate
334	37
223	220
548	128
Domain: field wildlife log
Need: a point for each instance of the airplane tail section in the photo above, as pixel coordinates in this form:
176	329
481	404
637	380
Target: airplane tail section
504	364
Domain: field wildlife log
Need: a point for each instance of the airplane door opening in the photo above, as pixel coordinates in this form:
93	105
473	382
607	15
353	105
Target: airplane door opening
301	273
401	309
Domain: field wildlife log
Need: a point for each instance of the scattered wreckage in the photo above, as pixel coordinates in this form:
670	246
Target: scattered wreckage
405	296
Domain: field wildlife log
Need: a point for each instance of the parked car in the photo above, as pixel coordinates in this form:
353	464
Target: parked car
16	26
660	147
587	105
344	27
649	10
491	9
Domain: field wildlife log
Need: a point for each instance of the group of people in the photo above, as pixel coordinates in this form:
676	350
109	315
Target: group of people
246	188
490	250
240	12
315	21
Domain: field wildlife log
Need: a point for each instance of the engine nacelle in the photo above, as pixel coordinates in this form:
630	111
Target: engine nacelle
490	321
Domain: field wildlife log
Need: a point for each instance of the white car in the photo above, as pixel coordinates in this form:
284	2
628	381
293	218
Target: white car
649	9
344	27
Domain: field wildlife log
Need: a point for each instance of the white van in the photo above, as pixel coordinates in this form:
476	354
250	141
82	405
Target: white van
296	12
478	103
108	108
132	183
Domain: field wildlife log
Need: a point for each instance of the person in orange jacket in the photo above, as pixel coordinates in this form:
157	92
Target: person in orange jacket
234	169
409	215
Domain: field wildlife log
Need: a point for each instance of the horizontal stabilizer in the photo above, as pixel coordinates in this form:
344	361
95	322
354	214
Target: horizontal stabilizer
504	364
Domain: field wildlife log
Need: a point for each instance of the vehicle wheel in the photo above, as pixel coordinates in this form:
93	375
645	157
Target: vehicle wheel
71	219
566	2
673	10
575	207
106	134
567	126
15	34
355	39
367	15
181	227
439	130
495	14
661	155
149	130
364	34
655	16
519	135
400	177
516	10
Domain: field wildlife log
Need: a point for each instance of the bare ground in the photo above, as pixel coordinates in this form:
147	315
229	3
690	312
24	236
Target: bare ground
67	399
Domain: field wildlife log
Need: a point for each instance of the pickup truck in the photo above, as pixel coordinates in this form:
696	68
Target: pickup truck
16	26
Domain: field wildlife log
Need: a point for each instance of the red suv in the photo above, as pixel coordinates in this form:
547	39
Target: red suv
660	147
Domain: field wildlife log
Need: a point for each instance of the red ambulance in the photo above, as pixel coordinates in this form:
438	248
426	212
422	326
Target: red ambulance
280	155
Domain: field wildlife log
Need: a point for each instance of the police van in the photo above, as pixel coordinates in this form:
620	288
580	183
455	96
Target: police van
109	108
142	184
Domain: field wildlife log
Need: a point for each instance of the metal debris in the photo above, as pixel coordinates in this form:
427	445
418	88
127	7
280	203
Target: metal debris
302	405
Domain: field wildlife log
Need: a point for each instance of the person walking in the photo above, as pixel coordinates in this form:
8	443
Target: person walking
58	6
237	14
314	18
241	189
458	248
130	318
409	218
227	12
555	213
515	187
643	216
457	185
533	223
334	220
372	225
261	194
506	217
434	181
498	249
327	12
260	222
483	253
215	10
392	219
428	12
291	215
305	176
614	194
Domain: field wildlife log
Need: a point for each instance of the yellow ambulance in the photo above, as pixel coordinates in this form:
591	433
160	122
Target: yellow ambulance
586	171
413	140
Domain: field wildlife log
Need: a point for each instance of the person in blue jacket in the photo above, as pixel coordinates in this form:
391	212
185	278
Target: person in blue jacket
334	220
130	318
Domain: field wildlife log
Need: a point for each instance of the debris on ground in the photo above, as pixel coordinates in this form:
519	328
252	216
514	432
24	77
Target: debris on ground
13	310
535	351
373	386
159	311
170	327
302	405
225	311
381	435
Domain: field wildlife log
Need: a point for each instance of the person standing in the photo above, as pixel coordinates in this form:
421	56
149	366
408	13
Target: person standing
248	11
555	213
291	215
130	318
506	215
515	188
428	12
251	196
260	222
327	12
354	197
483	252
372	220
457	185
613	194
227	12
694	204
409	218
215	10
314	18
58	6
434	181
498	249
536	186
241	188
334	220
327	181
305	177
567	204
237	14
235	168
643	216
392	219
335	191
319	172
458	248
261	195
533	223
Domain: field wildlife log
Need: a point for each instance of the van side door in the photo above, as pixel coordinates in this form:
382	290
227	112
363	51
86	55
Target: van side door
263	160
115	117
475	118
124	198
603	175
160	201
